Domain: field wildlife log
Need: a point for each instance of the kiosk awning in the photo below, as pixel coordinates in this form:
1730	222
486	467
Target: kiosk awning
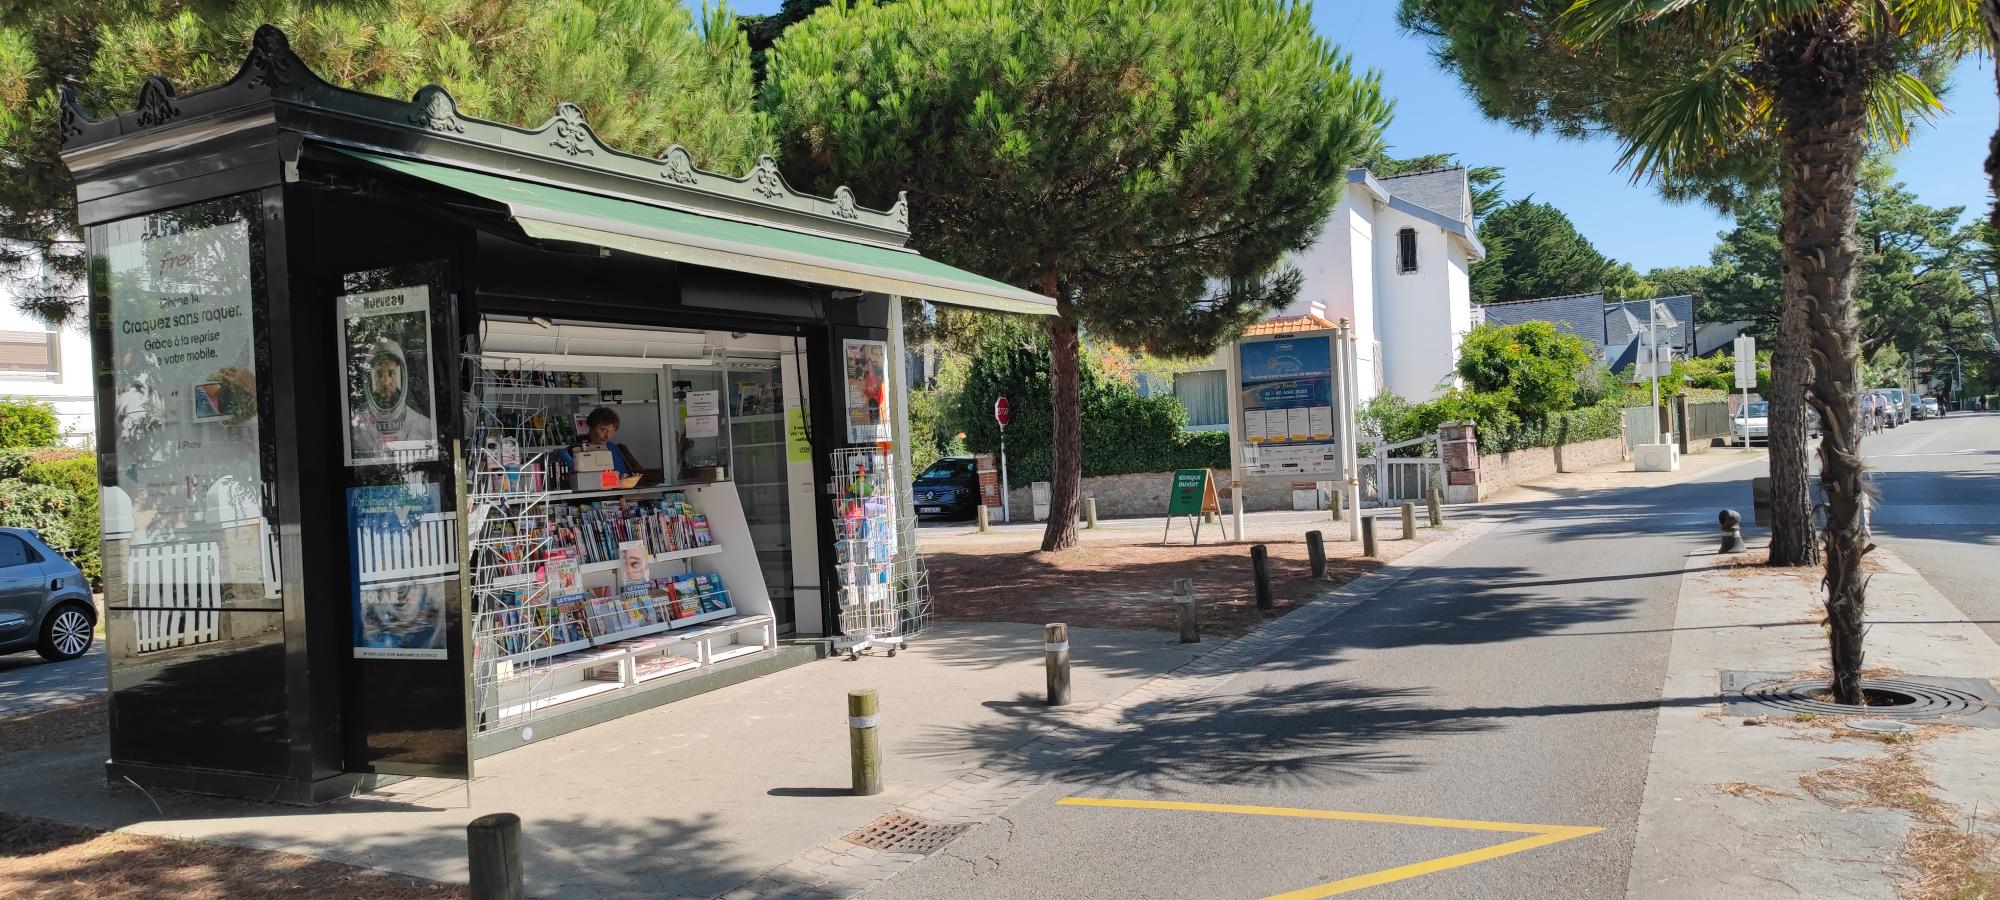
553	213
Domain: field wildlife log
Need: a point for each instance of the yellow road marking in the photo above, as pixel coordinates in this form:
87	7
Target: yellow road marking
1538	836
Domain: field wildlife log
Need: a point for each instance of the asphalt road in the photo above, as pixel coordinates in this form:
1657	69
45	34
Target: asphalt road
1516	681
29	682
1938	506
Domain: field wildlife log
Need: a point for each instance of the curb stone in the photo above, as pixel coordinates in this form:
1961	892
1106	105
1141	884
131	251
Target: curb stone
837	868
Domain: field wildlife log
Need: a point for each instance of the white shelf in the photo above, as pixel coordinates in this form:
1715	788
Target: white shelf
630	633
687	666
734	652
543	653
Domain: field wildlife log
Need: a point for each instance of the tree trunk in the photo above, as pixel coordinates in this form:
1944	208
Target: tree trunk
1823	70
1991	12
1066	437
1793	542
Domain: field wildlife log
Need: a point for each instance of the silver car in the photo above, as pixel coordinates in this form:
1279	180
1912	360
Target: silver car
1753	423
44	599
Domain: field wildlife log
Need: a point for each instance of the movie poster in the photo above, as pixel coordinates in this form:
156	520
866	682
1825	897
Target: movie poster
866	364
385	340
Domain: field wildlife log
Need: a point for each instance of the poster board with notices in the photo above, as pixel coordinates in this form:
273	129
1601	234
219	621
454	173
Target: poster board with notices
1289	397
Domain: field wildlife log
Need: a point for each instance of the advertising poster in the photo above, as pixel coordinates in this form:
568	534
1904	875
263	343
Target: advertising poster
866	364
1287	389
385	341
184	383
405	563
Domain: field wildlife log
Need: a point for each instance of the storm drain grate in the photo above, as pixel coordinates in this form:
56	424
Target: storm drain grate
900	833
1962	701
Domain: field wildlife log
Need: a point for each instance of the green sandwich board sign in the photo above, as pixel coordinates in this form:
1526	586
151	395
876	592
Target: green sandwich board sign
1193	496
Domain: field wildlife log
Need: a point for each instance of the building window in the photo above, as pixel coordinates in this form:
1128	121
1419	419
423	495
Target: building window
29	354
1206	397
1406	250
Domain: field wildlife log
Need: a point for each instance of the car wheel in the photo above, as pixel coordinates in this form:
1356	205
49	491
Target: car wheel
66	634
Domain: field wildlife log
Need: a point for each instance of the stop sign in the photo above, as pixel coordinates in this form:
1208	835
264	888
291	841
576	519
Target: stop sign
1000	411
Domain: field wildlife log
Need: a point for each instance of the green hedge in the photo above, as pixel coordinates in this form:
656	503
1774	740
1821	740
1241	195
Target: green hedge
54	491
27	423
1604	420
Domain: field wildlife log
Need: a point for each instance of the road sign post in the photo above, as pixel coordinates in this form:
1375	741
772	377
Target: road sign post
1746	378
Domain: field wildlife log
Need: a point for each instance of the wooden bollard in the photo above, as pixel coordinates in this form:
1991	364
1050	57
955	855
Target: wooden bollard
1055	658
1316	551
1190	615
985	517
493	854
1368	536
863	718
1090	512
1260	570
1409	521
1437	508
1339	515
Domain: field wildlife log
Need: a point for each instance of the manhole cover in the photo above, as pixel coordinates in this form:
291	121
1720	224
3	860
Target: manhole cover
1879	726
1964	701
900	833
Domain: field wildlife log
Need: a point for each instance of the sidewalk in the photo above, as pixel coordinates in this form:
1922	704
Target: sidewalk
1614	476
1803	804
690	799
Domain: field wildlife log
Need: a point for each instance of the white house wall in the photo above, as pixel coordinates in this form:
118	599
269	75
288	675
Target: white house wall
1337	269
1423	313
70	390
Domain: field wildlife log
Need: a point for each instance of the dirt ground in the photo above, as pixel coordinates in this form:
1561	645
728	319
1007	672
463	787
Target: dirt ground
1122	577
43	860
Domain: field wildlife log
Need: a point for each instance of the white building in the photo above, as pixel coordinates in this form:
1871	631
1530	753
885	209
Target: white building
1394	259
49	364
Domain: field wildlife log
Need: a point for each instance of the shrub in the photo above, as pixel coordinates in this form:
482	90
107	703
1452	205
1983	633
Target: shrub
42	507
27	423
1531	368
72	473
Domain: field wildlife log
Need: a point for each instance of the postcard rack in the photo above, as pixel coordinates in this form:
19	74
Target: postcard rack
885	593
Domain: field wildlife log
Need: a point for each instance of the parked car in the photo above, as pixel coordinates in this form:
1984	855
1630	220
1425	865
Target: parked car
44	600
948	489
1928	408
1753	423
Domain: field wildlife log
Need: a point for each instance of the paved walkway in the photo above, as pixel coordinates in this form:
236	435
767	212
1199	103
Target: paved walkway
29	682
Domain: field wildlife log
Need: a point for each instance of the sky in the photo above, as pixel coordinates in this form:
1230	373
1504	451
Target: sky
1628	222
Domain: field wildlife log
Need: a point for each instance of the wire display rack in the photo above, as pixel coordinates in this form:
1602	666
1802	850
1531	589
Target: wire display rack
885	595
516	626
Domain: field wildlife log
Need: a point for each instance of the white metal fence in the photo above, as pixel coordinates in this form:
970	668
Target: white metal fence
178	589
1391	480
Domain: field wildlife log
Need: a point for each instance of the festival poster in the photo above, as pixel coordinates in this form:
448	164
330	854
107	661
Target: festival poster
866	364
386	379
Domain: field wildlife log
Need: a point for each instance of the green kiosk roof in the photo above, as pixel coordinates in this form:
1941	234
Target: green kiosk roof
553	213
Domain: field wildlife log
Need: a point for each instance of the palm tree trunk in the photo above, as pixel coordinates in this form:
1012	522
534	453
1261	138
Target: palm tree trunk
1066	437
1822	70
1990	10
1793	542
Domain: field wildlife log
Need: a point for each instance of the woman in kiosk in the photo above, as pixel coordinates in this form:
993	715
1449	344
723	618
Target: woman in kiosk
599	429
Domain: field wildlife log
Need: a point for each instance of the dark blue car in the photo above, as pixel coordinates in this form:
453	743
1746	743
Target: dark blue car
948	489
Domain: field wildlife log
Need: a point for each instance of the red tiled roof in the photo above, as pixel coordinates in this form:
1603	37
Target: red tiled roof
1287	325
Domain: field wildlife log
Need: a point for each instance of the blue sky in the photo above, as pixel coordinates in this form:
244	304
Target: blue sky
1628	222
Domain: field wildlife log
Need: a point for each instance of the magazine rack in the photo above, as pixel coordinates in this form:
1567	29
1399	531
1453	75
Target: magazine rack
884	591
555	620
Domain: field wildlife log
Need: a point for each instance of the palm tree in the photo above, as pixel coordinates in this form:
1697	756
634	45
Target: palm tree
1711	97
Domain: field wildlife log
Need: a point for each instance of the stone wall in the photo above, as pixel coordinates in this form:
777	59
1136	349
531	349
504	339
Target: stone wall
1145	494
1496	471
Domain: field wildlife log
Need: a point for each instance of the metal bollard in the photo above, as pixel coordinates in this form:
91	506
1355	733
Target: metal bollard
1090	512
493	854
1732	531
1260	570
1316	551
1190	615
1437	508
1367	535
1409	521
1055	656
863	717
